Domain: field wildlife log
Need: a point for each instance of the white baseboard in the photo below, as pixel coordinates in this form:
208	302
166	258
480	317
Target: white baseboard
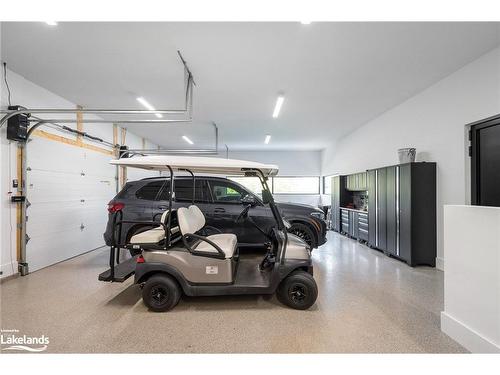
440	263
7	269
467	337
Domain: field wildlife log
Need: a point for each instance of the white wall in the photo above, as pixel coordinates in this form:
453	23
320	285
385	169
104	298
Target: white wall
432	121
55	177
471	313
291	163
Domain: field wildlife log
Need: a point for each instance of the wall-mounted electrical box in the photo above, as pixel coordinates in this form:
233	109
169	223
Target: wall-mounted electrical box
17	126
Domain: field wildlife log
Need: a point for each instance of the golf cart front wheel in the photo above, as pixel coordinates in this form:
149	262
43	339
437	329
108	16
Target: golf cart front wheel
298	290
161	293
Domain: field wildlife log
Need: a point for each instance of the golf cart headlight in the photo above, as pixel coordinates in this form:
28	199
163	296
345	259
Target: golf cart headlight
287	224
318	215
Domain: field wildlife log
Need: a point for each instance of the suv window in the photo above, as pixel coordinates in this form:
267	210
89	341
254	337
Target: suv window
151	191
226	192
184	190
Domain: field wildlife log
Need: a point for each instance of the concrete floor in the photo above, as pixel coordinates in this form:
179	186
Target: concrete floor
367	303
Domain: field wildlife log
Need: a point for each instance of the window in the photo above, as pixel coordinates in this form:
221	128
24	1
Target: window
156	190
184	190
327	184
226	192
296	185
253	184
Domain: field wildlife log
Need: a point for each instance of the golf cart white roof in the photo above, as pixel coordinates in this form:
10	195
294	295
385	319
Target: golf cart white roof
196	164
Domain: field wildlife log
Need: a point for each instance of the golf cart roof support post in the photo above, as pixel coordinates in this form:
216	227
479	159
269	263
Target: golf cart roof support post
276	214
169	220
194	182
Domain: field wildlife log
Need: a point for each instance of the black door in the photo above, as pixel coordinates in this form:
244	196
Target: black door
227	206
485	163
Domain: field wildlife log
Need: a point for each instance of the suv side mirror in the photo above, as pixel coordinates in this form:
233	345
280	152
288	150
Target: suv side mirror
249	200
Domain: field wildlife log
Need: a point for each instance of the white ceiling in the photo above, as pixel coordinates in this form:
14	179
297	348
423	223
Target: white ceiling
335	76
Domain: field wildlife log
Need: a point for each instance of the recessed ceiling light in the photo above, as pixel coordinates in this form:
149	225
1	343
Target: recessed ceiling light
277	107
51	23
305	22
268	138
148	106
187	140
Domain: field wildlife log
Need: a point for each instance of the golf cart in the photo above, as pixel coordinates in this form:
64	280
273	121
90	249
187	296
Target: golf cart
180	254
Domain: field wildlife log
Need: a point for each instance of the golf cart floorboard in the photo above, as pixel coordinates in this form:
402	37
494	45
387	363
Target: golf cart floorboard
249	275
123	271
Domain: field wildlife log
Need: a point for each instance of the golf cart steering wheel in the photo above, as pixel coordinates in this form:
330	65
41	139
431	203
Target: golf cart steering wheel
243	214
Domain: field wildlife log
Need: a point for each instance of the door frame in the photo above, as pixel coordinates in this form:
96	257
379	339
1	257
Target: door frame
474	153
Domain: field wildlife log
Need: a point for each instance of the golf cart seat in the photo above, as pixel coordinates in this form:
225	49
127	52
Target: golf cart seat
155	235
191	220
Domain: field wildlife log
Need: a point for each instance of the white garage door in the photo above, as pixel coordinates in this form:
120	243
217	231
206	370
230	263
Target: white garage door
68	188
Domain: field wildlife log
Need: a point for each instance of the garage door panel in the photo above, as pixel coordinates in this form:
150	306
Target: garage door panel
55	186
48	249
54	219
47	154
68	188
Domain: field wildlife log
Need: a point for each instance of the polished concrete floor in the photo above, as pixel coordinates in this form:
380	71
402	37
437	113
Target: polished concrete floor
367	303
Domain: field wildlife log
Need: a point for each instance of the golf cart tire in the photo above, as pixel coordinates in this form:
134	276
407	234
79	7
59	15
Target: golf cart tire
305	231
161	293
298	290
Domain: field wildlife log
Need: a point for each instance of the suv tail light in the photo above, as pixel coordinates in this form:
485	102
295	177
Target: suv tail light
115	207
140	259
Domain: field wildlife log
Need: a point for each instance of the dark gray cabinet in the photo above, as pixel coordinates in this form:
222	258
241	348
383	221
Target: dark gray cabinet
356	182
354	223
377	208
402	206
339	199
362	226
345	220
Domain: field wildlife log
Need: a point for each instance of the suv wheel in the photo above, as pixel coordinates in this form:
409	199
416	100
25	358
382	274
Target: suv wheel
304	232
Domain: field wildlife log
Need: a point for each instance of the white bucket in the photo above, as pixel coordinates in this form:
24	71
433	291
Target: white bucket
407	155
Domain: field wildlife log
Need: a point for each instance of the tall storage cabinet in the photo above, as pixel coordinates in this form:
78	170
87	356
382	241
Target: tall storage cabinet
402	209
338	200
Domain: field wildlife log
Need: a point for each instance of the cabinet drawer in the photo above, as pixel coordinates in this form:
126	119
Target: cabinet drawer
363	234
363	222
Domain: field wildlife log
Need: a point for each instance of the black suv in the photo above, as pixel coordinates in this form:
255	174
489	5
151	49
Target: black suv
221	201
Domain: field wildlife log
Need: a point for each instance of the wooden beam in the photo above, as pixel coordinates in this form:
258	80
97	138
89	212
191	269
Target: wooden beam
115	134
71	142
79	124
123	170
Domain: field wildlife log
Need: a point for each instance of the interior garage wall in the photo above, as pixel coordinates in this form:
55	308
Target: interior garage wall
68	186
432	121
291	163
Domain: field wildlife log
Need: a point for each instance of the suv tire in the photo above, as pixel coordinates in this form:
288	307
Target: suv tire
305	233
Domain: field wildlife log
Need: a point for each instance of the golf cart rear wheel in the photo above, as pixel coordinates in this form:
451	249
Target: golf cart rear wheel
161	293
304	232
298	290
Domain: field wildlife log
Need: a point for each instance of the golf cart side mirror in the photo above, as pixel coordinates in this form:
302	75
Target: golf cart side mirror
249	200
